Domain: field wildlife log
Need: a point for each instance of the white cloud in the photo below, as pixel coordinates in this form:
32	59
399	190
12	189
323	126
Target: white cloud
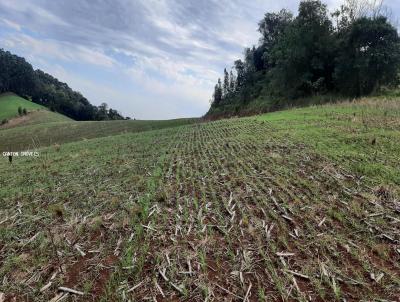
33	10
11	24
174	82
45	48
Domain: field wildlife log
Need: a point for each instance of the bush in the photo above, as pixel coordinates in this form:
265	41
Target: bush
4	121
24	111
19	110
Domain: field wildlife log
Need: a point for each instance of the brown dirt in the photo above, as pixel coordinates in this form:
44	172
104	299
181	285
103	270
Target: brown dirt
103	277
17	121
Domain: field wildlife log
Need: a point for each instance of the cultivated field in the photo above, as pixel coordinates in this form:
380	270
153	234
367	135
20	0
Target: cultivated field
48	133
297	205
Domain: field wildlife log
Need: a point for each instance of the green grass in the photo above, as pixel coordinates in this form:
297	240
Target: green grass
9	104
363	135
45	134
210	211
42	127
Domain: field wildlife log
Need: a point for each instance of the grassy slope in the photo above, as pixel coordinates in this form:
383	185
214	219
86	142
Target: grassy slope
45	134
363	135
221	200
9	104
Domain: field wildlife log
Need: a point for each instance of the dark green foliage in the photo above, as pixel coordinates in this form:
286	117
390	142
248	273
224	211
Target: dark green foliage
369	56
19	110
18	76
24	111
271	28
240	74
225	88
303	54
217	97
102	112
4	121
311	55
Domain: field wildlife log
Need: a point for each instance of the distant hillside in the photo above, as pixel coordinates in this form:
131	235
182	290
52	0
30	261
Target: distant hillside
10	102
45	134
18	76
35	114
312	57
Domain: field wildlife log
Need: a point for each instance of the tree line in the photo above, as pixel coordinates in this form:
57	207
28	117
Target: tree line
352	52
18	76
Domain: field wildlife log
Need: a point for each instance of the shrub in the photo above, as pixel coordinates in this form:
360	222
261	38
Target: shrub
24	111
4	121
19	110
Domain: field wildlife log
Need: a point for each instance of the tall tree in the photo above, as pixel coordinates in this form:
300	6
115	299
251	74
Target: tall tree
225	88
304	56
217	97
271	27
369	56
240	74
102	113
232	81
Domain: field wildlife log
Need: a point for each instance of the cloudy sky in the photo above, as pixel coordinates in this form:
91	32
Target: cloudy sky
149	59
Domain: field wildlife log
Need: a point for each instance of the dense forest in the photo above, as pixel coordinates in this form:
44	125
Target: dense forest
354	51
18	76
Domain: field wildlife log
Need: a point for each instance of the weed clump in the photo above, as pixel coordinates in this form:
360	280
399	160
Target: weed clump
96	223
161	197
135	210
383	193
58	211
114	202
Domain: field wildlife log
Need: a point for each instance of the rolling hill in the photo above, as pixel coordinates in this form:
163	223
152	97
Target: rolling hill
297	205
45	134
37	114
10	102
42	127
19	77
